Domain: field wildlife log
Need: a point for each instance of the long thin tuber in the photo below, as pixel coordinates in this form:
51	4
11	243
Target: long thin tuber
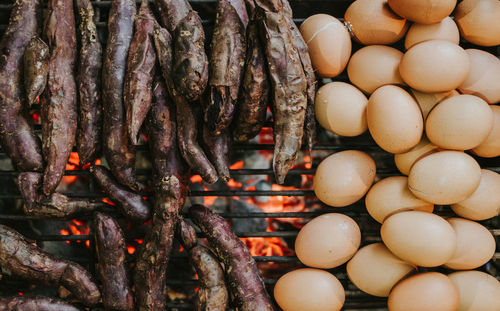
36	68
217	149
36	303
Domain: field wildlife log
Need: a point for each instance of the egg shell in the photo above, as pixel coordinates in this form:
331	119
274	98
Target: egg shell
424	291
484	203
490	147
445	177
329	44
421	238
478	291
373	66
484	76
309	289
475	245
446	29
373	22
344	177
435	66
328	241
341	108
394	119
459	123
404	161
375	270
391	195
427	101
423	11
479	21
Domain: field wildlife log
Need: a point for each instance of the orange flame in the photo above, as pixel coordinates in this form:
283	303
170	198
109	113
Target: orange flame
130	249
196	178
237	165
267	246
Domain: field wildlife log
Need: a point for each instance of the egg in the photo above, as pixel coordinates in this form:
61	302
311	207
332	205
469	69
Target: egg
427	101
484	203
341	108
328	241
391	195
479	21
478	291
375	270
344	177
445	177
373	22
459	123
423	12
424	291
475	245
329	44
373	66
446	29
421	238
309	289
394	119
484	76
490	147
434	66
404	161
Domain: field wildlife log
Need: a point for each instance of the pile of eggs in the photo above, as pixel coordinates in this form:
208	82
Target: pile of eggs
431	106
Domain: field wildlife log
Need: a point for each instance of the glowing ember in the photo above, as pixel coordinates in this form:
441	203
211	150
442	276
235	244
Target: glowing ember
139	241
36	118
181	249
234	184
76	227
237	165
196	178
267	246
20	293
130	249
108	201
87	243
72	165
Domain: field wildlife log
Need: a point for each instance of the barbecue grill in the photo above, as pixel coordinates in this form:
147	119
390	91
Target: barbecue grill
355	299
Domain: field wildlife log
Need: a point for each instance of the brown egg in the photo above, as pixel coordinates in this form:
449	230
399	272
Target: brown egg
373	22
434	66
475	245
490	147
375	270
329	44
391	195
484	203
459	123
427	101
344	177
328	241
421	238
443	30
309	289
404	161
394	119
479	21
423	12
341	108
479	291
445	177
484	76
373	66
424	291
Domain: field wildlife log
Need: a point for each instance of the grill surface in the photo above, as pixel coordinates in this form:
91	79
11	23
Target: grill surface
355	299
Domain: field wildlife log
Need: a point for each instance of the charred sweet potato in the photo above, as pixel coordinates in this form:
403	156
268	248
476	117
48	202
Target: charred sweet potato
217	149
38	303
36	67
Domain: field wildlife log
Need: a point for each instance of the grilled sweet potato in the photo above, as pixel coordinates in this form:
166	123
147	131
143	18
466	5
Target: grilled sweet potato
29	184
88	80
24	259
59	109
16	135
217	149
36	303
36	67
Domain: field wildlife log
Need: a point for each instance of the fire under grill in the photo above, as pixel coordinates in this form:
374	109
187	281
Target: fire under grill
266	215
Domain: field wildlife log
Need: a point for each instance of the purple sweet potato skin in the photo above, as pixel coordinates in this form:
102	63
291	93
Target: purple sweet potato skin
36	66
246	286
36	303
29	184
110	246
88	80
118	150
217	149
16	135
59	108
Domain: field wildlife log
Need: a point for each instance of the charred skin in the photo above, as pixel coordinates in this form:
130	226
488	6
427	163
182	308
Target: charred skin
118	150
29	184
36	67
110	246
217	150
17	138
132	205
137	92
59	108
246	286
226	63
88	81
24	259
171	12
212	293
288	82
37	303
